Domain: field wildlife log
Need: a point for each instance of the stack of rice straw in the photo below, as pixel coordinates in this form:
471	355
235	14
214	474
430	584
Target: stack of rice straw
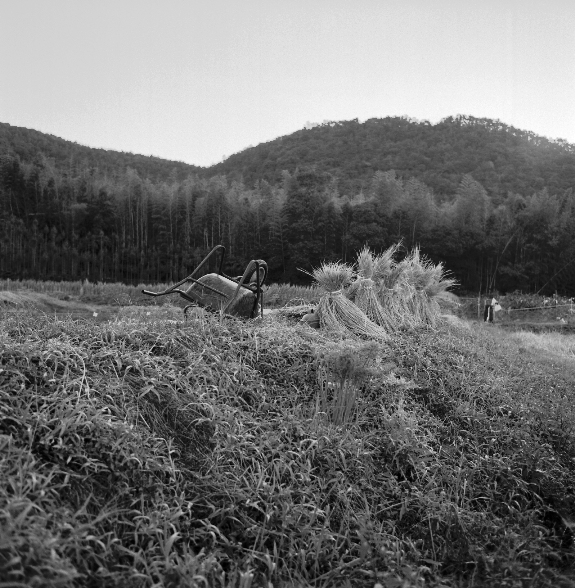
393	289
364	292
409	289
336	312
383	296
422	282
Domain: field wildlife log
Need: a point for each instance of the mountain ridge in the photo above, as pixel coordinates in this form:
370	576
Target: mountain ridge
437	154
29	143
502	158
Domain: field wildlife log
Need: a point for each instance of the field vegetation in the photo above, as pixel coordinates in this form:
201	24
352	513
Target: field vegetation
558	346
118	294
145	451
398	445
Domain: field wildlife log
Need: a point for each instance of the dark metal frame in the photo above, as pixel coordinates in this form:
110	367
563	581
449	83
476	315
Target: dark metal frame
258	266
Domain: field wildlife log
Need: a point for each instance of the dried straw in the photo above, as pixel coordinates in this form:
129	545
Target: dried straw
365	263
384	266
397	303
440	283
364	293
421	282
367	300
332	277
393	290
336	312
340	315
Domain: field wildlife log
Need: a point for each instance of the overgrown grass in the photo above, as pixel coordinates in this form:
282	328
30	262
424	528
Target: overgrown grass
96	293
556	345
276	295
147	452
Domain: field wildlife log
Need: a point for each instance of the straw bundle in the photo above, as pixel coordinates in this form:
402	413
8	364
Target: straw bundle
438	289
393	290
407	279
397	302
364	291
339	314
365	270
336	312
332	277
440	283
384	267
428	281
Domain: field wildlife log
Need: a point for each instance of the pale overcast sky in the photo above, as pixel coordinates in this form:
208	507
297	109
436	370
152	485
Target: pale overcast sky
196	80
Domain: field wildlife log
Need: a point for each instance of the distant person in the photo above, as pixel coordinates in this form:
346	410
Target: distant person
489	308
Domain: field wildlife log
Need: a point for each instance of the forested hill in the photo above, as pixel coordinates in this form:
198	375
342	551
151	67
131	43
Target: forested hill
495	204
502	158
30	145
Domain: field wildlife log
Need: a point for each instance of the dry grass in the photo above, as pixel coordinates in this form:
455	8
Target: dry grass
387	295
384	266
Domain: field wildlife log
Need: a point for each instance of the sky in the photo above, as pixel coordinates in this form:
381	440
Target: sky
199	80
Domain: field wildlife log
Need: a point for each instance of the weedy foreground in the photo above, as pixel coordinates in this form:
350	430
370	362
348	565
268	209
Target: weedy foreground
216	452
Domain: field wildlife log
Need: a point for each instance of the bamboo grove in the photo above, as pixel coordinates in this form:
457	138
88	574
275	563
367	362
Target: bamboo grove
79	223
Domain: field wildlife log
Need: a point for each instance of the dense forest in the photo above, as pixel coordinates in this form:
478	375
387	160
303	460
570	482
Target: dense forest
495	203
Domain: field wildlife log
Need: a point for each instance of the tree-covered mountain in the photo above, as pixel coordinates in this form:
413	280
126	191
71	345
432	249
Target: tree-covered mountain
502	158
497	205
28	144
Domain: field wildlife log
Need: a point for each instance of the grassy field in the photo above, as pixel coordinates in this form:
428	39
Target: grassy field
144	451
276	295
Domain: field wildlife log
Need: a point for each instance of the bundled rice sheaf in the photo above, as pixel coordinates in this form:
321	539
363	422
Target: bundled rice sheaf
409	277
393	289
421	282
407	291
363	292
385	268
335	311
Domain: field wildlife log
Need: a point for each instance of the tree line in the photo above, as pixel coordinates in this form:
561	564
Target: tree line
60	223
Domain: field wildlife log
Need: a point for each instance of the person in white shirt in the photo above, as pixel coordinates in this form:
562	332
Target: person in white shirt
489	307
